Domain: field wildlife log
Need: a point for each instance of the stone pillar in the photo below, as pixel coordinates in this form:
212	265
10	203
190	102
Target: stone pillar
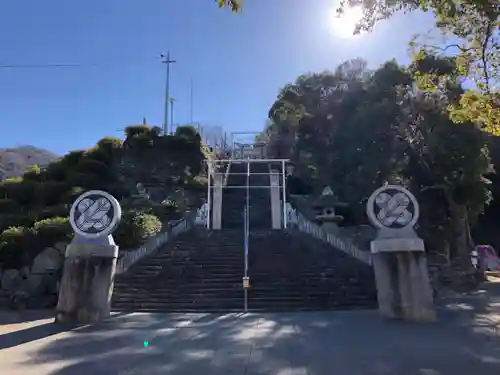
90	260
403	287
217	202
276	206
87	282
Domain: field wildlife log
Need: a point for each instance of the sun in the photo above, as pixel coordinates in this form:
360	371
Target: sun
344	25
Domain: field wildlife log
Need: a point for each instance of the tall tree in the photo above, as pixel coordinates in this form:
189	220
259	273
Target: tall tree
472	31
355	129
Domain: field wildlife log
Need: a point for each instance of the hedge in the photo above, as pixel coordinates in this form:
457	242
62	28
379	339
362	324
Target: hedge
135	228
9	206
22	191
52	230
60	210
14	220
48	193
14	243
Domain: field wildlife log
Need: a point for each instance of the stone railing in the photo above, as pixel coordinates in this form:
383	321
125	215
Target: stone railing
344	245
151	245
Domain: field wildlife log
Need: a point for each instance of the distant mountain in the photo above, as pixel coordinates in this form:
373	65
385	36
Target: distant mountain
15	161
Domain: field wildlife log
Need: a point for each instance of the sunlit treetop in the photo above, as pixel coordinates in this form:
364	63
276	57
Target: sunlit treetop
472	35
234	5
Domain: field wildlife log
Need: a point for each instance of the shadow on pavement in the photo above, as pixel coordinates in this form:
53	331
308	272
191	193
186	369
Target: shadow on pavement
482	305
12	339
34	331
264	344
464	342
16	317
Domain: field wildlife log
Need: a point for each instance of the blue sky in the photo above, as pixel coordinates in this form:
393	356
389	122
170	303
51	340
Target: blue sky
237	63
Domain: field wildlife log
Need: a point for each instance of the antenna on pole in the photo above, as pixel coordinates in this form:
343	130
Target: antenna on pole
166	60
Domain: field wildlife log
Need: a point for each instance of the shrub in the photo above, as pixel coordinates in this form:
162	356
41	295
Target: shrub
14	243
70	196
87	181
188	132
109	147
135	228
170	204
33	174
9	186
136	130
197	184
119	191
57	171
22	191
14	220
49	231
49	193
60	210
136	204
72	158
9	206
95	167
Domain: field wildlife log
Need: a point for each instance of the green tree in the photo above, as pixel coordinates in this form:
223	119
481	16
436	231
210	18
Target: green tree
472	31
356	129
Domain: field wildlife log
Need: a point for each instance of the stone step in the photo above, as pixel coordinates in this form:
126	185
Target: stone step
236	290
202	270
174	283
177	308
187	297
224	305
163	290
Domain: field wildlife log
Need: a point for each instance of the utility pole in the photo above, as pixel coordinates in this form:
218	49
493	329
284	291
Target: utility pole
166	60
172	100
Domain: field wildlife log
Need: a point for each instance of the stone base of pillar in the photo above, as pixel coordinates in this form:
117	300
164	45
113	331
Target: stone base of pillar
87	283
403	287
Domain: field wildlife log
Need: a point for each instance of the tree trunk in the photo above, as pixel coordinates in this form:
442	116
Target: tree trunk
463	246
461	272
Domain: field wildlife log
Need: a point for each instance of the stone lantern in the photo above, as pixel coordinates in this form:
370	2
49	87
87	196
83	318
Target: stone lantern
326	205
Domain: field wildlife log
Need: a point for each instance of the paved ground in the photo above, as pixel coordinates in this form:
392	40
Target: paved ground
464	342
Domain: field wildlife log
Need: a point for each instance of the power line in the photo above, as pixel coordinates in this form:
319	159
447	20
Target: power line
89	65
16	66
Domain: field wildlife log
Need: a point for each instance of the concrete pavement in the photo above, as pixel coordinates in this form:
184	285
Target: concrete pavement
464	342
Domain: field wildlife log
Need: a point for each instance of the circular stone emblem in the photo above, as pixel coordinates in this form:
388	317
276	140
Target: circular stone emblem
393	207
94	214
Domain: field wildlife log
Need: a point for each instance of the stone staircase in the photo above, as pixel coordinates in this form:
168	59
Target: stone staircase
197	271
289	270
234	197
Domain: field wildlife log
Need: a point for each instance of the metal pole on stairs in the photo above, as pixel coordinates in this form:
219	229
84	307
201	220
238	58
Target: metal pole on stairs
246	280
284	193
